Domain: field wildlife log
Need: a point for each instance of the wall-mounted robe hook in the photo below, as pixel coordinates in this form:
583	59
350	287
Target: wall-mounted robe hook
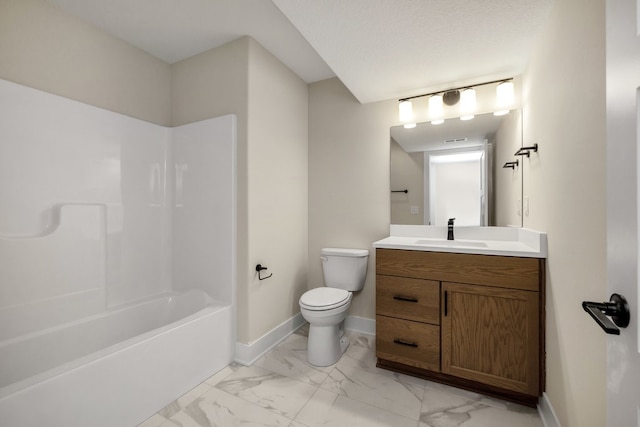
260	268
526	151
511	165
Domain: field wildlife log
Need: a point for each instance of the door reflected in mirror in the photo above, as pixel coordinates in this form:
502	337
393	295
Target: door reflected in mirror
457	183
455	170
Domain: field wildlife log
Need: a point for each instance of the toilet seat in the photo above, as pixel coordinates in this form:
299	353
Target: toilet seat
324	298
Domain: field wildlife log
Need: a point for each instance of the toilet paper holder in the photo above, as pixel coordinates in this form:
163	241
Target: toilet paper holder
260	268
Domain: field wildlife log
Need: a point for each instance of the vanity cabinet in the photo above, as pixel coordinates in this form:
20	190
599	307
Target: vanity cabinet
472	321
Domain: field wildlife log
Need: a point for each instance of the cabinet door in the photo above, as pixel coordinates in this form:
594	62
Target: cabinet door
490	335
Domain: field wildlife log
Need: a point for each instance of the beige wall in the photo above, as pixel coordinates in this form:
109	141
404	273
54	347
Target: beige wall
565	114
277	192
47	49
348	179
211	84
406	173
507	183
241	77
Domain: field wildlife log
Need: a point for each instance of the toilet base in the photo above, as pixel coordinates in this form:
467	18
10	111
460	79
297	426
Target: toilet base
325	345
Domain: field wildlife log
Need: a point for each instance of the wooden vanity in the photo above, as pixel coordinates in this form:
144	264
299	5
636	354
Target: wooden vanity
467	320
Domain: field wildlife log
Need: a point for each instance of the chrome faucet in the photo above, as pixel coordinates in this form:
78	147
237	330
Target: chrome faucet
450	228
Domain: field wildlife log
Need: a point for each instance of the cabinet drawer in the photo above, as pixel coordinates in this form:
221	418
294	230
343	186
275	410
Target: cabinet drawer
490	270
412	343
411	299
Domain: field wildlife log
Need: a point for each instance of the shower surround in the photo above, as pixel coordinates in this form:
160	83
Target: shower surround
117	260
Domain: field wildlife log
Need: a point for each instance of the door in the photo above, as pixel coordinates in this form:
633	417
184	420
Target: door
454	186
491	335
485	183
623	81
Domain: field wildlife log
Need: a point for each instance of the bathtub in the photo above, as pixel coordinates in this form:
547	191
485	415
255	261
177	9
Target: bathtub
115	368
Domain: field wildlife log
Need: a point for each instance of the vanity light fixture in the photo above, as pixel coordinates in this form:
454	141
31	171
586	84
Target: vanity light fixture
436	109
467	104
465	95
451	97
504	97
406	114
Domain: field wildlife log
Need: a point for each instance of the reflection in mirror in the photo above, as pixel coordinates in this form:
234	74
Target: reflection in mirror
455	170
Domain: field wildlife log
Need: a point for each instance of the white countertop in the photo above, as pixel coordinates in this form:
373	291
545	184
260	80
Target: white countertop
505	241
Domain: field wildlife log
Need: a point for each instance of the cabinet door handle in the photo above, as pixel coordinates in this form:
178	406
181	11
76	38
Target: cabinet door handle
407	343
405	299
446	303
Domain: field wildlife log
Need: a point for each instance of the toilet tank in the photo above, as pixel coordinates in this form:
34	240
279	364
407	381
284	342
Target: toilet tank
344	268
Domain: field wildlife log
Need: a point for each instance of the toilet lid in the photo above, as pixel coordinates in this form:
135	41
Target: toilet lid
324	298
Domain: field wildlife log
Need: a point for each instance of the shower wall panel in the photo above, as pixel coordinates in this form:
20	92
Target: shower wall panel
55	151
204	206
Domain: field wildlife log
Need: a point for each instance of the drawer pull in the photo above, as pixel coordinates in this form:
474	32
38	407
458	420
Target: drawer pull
405	299
407	343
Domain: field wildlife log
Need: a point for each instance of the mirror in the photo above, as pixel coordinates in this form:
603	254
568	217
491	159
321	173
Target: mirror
456	170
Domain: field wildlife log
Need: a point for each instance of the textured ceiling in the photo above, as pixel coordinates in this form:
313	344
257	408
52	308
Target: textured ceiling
427	137
380	49
383	49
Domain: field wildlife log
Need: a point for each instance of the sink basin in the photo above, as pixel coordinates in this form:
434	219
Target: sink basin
451	243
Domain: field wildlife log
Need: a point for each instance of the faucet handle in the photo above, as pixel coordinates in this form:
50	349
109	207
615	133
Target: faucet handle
450	229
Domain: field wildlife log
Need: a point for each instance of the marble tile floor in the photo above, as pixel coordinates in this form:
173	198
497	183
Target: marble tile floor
281	389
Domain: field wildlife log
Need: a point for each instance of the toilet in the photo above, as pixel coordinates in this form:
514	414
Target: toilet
325	308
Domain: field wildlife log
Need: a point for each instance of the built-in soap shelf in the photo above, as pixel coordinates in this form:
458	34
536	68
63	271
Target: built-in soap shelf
72	212
67	257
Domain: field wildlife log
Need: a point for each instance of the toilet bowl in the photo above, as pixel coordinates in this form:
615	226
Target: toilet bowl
325	308
325	311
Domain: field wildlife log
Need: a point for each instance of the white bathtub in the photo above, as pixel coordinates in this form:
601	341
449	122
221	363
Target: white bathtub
116	368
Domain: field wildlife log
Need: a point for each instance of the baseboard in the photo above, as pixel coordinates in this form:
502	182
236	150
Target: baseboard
360	324
547	414
247	354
